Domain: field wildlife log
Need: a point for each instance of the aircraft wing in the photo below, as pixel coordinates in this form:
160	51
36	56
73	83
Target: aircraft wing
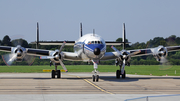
40	52
114	55
140	52
5	48
173	48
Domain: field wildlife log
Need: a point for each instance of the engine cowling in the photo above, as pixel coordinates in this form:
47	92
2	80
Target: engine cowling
19	53
123	55
56	56
160	52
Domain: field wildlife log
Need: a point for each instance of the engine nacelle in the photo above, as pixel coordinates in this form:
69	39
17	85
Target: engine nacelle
123	55
160	52
56	56
19	53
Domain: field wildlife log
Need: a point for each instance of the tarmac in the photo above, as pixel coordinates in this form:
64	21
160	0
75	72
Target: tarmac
79	87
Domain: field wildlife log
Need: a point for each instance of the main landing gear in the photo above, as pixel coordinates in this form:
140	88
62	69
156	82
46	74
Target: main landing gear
56	72
118	73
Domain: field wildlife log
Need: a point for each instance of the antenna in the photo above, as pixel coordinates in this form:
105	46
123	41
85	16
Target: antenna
93	32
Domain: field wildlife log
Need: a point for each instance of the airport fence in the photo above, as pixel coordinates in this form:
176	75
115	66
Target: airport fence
175	97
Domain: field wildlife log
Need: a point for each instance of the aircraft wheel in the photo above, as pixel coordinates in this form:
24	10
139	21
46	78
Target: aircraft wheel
97	78
117	74
58	74
93	77
53	74
124	75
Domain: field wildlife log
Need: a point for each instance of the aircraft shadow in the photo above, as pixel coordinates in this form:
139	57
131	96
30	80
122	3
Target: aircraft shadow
132	79
105	78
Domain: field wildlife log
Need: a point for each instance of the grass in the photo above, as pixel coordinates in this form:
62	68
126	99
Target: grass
133	69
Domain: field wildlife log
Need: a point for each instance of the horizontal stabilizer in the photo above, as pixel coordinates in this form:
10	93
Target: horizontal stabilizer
70	43
115	43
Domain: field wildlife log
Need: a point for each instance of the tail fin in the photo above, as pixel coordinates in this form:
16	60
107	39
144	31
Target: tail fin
124	36
37	37
81	34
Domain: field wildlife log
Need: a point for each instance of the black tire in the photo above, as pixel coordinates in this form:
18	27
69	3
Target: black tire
117	74
124	75
93	77
97	78
53	74
58	74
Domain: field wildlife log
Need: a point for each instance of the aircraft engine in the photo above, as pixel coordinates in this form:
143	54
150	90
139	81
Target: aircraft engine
17	54
160	52
56	56
123	55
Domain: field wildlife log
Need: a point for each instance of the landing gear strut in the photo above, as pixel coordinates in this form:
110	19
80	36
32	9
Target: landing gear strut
95	77
56	72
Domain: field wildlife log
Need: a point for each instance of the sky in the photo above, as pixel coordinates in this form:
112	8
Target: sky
60	19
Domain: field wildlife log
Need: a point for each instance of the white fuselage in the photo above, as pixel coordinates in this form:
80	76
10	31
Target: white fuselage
90	47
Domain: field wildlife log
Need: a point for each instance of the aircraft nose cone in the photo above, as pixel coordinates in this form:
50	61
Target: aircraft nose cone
96	51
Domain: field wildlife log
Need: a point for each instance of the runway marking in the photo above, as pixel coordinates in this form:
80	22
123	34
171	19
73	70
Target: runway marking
97	87
92	84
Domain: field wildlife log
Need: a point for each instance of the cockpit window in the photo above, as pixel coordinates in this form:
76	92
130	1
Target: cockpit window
95	42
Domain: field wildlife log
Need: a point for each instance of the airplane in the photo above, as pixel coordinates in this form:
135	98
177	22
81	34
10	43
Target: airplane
89	47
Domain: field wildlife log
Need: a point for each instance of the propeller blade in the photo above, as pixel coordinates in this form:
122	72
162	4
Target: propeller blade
165	64
116	50
163	60
62	47
29	59
63	65
9	58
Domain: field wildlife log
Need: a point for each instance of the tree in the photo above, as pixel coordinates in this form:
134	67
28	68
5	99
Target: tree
6	41
21	42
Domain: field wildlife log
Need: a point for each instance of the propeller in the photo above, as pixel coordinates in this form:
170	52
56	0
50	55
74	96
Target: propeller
18	54
57	57
9	58
62	64
123	56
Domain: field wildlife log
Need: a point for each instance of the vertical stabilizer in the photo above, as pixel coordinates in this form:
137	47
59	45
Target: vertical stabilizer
124	36
81	34
37	37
